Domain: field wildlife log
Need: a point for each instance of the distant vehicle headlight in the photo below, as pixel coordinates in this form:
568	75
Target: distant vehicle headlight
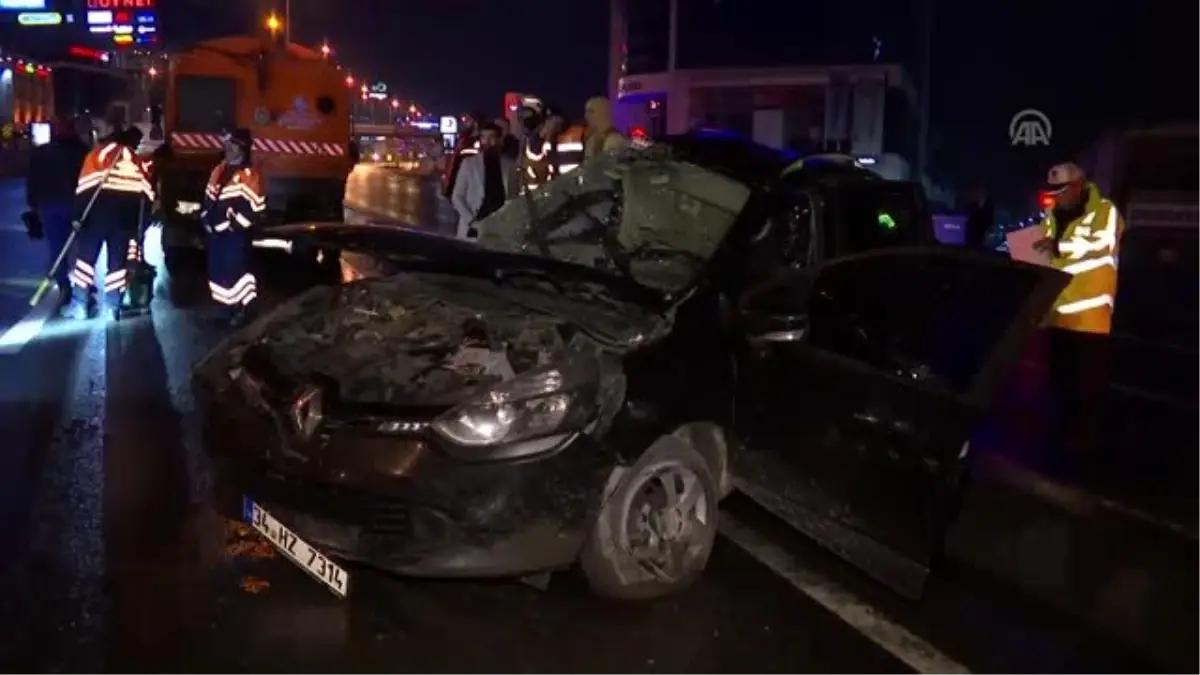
526	415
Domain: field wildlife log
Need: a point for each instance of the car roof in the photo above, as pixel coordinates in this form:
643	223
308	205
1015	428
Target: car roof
761	166
735	156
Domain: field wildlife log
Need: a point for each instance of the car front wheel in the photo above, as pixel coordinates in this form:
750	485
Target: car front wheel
655	532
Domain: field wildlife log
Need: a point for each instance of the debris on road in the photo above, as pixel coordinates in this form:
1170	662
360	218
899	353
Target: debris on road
243	542
254	585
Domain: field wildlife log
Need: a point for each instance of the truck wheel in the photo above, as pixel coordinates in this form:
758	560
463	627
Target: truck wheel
654	534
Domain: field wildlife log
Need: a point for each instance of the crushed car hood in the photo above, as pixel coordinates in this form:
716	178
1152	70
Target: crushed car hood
430	339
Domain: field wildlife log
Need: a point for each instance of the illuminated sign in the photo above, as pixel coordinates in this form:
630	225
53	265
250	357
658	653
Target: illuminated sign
39	18
378	91
128	21
117	4
22	4
449	124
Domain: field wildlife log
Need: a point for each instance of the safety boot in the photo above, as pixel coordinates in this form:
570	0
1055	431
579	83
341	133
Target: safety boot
82	304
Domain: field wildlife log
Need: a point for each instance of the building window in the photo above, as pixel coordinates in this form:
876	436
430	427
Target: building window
771	33
900	126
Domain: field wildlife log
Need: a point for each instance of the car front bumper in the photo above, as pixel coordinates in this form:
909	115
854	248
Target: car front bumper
398	502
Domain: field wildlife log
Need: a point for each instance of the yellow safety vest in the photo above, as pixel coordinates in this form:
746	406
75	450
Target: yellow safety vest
1087	250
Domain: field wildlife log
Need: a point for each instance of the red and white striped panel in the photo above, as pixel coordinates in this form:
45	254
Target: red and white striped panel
299	147
190	141
196	141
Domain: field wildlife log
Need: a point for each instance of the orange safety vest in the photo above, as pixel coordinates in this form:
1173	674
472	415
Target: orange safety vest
542	165
116	171
568	148
235	204
1087	250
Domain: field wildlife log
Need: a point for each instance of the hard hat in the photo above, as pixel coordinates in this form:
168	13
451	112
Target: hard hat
1062	176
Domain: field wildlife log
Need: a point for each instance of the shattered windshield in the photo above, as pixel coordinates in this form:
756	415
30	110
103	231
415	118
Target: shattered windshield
635	212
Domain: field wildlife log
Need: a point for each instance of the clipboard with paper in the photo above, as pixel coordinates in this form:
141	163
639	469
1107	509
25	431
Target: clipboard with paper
1021	245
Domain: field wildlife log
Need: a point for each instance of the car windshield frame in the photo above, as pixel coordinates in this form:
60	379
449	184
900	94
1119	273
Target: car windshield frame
636	213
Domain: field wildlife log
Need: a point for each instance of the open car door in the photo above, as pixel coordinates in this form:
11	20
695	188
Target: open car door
859	384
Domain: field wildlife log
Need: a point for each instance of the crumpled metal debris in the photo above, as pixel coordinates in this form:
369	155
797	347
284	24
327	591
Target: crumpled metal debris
668	217
401	340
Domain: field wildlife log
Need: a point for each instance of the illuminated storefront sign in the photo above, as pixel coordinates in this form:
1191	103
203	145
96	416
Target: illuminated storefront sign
126	27
23	4
39	18
118	4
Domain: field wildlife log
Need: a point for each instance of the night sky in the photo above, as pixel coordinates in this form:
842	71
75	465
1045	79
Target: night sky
1089	66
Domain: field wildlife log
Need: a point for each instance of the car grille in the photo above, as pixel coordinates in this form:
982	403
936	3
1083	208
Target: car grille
387	522
287	473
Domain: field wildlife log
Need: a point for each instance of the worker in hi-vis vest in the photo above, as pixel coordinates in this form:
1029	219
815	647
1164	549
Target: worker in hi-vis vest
1082	238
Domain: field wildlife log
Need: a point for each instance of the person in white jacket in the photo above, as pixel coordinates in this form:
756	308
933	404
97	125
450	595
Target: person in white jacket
482	183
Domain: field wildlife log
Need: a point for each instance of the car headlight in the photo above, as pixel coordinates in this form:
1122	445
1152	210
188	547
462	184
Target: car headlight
525	415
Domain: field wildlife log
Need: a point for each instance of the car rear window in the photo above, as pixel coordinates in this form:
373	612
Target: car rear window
880	214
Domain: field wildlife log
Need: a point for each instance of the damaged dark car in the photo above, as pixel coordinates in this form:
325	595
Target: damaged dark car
617	352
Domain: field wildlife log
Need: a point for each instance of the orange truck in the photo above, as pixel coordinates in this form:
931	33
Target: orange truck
295	103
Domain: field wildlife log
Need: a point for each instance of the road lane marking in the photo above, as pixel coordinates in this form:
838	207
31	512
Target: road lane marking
893	638
16	337
21	283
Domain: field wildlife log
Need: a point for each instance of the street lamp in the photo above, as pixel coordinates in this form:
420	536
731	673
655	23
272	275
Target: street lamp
395	103
274	23
349	80
152	72
325	50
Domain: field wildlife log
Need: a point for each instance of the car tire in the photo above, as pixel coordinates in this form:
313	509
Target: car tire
609	562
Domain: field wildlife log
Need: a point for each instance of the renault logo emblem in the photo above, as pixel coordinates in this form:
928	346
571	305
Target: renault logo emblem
306	412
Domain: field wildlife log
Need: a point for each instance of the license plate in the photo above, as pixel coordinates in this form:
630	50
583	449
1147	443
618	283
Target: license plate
296	549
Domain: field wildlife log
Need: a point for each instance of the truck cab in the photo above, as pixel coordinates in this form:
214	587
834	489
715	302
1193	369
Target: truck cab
294	102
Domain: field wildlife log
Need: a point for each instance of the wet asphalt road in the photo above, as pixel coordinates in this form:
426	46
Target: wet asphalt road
112	560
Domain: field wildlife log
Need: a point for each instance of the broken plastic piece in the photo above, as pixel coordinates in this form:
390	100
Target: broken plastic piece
254	585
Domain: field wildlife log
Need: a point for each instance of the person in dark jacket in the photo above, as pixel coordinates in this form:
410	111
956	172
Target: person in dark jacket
980	218
50	191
